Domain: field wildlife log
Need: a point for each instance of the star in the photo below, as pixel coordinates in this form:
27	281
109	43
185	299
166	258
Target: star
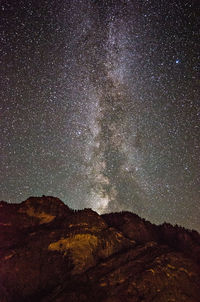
92	111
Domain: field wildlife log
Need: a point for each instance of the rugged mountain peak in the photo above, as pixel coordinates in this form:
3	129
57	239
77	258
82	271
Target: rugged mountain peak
45	203
50	253
45	208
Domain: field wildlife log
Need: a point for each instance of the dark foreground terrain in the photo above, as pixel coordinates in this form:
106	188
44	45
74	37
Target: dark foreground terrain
49	252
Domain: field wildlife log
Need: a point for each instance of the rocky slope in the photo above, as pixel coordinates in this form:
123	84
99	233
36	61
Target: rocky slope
49	252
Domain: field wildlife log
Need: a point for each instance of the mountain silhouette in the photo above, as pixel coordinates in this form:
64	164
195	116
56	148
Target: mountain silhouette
49	252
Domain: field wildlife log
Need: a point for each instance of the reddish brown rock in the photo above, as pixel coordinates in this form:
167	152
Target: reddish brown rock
49	252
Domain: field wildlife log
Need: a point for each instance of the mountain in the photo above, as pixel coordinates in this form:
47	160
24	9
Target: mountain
51	253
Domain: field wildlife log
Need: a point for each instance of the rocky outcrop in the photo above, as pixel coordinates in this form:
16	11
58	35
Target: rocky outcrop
142	231
49	252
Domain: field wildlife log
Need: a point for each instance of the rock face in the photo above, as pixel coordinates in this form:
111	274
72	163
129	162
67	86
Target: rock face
49	252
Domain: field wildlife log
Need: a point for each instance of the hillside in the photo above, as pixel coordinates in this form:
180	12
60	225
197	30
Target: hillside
49	252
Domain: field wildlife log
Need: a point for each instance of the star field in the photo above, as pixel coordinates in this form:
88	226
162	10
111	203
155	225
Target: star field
100	105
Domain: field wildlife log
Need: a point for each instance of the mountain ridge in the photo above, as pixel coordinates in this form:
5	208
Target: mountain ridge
50	252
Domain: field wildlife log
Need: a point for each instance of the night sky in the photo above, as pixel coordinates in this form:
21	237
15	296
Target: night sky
99	105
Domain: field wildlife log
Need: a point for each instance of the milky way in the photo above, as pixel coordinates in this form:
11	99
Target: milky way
100	105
